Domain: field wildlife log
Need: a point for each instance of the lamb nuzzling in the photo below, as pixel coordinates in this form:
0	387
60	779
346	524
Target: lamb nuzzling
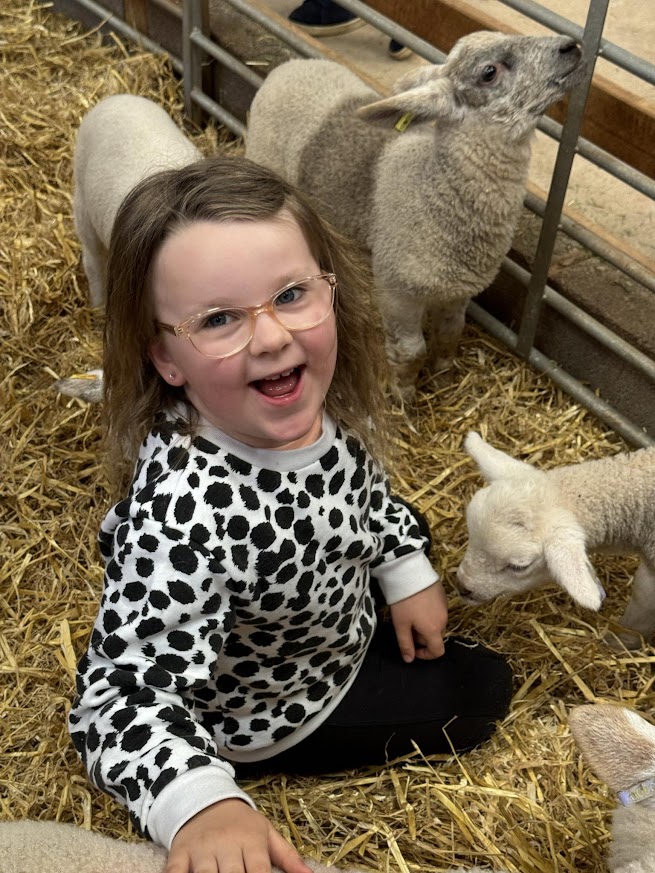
529	527
437	205
619	745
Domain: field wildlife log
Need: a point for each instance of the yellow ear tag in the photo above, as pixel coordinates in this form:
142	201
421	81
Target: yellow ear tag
403	122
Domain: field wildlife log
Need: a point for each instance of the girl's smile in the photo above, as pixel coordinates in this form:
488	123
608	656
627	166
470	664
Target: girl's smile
271	393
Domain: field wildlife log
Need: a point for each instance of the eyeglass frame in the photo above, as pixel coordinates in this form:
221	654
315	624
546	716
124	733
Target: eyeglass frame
181	330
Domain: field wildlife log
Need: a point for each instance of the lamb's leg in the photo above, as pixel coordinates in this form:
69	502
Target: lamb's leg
446	327
639	614
405	343
94	254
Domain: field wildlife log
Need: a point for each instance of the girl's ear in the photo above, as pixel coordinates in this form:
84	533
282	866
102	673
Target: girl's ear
164	364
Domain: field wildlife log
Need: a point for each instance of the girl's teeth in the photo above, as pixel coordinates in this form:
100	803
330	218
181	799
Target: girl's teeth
280	376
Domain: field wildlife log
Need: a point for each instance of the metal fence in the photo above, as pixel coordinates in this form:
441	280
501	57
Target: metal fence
197	46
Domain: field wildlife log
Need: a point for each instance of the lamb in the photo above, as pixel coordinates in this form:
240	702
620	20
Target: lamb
619	745
436	206
36	846
529	527
121	141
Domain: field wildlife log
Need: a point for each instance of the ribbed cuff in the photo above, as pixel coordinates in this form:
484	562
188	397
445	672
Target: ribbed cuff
188	795
405	576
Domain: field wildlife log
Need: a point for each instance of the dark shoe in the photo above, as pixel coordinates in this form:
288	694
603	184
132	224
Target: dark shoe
324	19
398	51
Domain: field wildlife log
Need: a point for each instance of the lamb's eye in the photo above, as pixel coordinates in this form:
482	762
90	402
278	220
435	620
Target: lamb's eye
489	74
518	568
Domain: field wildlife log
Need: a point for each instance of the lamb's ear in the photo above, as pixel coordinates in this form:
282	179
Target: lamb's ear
568	564
617	743
493	463
426	102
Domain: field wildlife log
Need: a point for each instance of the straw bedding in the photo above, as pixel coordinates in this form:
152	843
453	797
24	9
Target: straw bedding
524	801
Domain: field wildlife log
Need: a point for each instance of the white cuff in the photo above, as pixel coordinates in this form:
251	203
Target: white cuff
405	576
188	795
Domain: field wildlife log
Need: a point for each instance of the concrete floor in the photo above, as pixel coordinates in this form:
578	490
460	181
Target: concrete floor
601	200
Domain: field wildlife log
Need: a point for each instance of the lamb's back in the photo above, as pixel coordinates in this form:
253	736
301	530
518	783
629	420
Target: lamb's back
121	141
614	498
302	124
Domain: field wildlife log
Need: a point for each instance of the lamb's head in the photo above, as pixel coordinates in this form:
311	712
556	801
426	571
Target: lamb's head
520	537
501	80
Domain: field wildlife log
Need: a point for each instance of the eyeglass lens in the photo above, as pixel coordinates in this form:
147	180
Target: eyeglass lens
297	306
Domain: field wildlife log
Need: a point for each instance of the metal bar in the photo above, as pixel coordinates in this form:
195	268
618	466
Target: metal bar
107	18
614	166
560	181
595	244
591	326
386	25
224	57
285	34
611	52
618	422
392	28
169	7
217	111
192	18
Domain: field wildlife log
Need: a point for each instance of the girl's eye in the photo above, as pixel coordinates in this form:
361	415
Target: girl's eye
218	319
290	295
489	74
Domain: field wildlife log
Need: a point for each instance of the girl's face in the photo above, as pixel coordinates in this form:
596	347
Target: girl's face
270	394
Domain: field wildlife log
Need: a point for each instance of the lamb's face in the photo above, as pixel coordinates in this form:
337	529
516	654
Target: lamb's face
505	554
512	80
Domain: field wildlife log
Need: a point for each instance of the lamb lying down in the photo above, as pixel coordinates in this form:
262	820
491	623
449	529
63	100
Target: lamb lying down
37	847
619	745
529	527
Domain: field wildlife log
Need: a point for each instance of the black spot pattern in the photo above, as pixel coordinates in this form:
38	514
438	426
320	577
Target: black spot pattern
236	606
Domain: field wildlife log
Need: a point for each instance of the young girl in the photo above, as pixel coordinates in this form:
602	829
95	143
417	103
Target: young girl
244	372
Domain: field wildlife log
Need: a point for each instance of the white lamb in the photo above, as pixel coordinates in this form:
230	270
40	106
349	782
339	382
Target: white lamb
529	527
121	141
435	205
619	745
37	847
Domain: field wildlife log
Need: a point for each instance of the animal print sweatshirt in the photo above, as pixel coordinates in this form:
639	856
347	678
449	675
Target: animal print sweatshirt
235	614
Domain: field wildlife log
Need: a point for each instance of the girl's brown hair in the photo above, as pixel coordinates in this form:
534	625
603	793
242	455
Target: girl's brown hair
223	189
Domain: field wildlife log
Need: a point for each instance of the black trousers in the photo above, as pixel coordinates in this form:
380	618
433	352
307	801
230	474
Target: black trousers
449	703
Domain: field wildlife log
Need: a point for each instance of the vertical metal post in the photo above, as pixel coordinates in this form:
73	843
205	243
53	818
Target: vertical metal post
193	17
535	296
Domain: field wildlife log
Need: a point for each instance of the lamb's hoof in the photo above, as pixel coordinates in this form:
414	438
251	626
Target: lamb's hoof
86	386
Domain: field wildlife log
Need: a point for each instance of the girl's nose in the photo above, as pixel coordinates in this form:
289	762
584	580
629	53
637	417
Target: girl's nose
268	335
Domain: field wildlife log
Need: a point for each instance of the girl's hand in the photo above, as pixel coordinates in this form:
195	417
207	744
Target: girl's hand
231	837
419	622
